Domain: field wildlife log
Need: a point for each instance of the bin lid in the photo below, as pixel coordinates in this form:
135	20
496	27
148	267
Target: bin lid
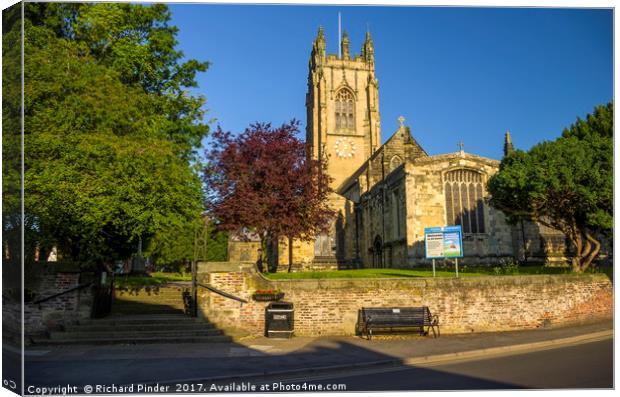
280	305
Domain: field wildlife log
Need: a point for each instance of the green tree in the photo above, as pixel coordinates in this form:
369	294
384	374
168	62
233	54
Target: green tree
180	250
566	184
137	44
110	130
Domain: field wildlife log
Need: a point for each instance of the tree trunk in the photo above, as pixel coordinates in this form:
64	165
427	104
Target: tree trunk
261	260
595	248
272	253
587	249
290	254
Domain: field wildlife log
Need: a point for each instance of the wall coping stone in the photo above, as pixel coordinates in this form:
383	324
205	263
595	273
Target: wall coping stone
225	267
393	282
423	282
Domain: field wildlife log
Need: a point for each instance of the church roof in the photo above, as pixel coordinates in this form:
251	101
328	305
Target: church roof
456	155
415	151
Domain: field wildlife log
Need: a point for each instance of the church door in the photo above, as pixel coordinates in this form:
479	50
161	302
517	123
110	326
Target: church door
377	258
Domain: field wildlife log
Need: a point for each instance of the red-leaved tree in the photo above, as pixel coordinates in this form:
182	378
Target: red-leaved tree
263	181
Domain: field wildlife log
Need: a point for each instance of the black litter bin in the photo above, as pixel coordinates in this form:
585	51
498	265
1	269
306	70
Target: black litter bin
279	320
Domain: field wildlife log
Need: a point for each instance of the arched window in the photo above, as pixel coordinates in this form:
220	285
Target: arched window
345	110
377	251
464	200
395	162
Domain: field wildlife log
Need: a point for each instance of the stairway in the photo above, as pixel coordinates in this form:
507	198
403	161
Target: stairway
141	315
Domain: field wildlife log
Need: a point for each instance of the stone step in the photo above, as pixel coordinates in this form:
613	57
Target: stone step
117	302
145	309
134	334
148	302
148	299
144	305
177	296
181	326
135	289
156	311
124	319
135	340
159	292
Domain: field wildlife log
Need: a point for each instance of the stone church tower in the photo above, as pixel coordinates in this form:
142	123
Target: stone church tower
343	123
343	107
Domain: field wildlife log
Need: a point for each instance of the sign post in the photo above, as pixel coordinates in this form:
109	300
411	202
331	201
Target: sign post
444	242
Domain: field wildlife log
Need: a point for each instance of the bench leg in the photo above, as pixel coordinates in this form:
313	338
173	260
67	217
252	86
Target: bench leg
370	334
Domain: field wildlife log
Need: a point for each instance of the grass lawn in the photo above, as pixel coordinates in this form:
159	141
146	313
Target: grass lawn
155	278
159	278
465	271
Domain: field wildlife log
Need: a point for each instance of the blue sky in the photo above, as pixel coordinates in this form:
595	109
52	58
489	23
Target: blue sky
455	74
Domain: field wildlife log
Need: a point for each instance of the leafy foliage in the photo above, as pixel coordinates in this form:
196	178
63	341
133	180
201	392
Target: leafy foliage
180	249
110	131
264	182
566	184
11	137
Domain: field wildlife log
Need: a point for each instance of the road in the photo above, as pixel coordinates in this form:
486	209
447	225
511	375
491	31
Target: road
587	365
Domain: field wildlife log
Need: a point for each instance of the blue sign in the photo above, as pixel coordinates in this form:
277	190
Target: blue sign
443	242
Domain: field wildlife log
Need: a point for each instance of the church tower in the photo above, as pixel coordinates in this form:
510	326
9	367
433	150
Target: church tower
342	104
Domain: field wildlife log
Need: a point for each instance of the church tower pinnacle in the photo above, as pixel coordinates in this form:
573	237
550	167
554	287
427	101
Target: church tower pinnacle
508	147
345	46
318	49
368	50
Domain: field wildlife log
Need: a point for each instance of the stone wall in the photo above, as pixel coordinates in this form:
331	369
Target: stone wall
243	251
59	311
473	304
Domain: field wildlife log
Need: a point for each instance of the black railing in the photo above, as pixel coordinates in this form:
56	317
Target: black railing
222	293
78	287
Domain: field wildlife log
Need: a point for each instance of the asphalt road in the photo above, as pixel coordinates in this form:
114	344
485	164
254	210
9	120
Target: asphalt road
588	365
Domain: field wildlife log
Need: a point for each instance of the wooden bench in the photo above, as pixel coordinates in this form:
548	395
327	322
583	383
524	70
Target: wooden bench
374	318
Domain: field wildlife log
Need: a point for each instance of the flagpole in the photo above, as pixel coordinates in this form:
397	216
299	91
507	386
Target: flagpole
339	37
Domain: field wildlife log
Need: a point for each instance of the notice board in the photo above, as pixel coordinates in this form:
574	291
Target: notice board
443	242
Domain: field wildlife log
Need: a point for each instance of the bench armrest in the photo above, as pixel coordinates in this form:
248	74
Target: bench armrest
435	319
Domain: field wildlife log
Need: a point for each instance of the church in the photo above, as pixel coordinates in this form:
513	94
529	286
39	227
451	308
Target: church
386	194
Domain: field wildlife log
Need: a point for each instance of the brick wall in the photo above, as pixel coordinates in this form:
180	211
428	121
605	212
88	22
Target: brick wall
58	311
475	304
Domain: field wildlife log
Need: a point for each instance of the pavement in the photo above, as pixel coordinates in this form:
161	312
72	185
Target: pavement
260	356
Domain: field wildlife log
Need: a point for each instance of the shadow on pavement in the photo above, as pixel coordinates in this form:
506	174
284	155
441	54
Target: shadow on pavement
256	361
134	366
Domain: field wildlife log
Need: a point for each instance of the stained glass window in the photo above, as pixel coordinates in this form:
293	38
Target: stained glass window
463	191
345	110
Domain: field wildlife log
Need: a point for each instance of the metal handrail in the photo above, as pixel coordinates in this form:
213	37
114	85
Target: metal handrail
63	292
224	294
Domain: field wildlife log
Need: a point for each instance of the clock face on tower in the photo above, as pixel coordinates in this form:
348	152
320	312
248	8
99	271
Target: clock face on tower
345	148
